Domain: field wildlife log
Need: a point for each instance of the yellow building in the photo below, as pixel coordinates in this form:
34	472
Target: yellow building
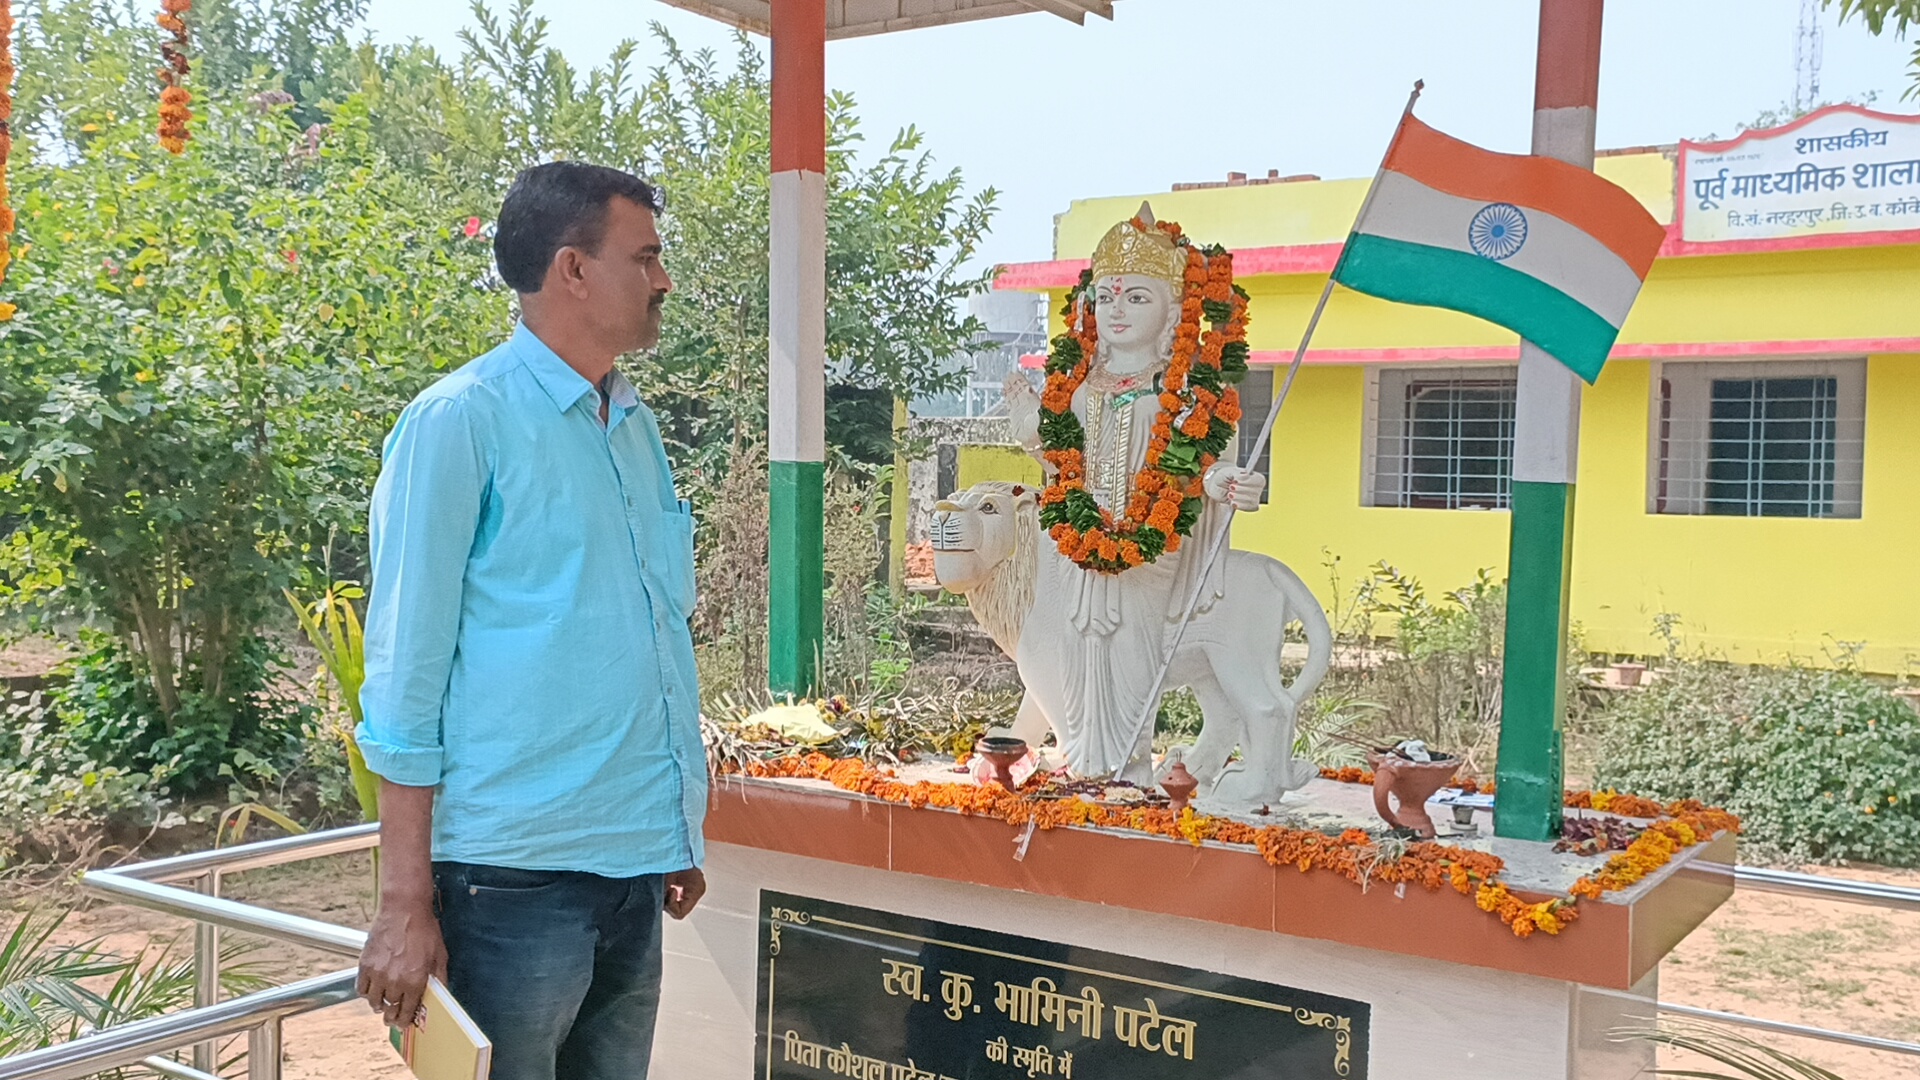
1749	460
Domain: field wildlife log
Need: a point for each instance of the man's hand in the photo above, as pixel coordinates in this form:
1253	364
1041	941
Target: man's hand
684	890
404	945
1236	486
403	948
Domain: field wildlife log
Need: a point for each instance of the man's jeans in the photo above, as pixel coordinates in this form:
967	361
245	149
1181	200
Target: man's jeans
560	969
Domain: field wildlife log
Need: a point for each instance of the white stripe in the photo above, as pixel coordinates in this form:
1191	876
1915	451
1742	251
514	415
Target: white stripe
797	312
1546	419
1555	252
1565	134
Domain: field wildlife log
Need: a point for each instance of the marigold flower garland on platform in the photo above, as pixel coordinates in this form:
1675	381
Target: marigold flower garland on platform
1353	854
6	141
174	96
1199	406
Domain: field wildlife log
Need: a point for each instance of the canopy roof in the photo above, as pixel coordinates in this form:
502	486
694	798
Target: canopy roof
856	18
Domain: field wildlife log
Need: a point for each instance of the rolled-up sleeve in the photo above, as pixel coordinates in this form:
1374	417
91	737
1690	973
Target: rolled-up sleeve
426	510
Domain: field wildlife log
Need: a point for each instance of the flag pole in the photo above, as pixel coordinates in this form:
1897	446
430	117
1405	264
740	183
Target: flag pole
1152	706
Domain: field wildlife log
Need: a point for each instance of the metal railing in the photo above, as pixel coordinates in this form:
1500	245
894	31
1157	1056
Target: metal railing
157	885
258	1015
1845	890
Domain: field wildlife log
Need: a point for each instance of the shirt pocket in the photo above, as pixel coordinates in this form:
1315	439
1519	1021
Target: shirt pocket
672	558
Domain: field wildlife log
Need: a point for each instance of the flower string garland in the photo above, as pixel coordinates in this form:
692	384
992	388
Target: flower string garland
1353	854
1199	406
174	96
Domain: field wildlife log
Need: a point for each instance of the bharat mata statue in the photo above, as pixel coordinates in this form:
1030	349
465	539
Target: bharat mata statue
1084	582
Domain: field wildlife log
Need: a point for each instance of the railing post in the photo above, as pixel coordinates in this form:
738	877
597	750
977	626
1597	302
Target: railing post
206	970
263	1051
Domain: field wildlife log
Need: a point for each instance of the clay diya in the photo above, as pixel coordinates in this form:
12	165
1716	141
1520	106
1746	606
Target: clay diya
1412	783
1001	752
1179	786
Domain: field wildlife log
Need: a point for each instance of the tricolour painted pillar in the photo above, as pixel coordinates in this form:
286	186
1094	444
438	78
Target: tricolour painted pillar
1546	443
796	376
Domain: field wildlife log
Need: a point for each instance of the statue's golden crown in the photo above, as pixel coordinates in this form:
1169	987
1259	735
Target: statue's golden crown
1127	249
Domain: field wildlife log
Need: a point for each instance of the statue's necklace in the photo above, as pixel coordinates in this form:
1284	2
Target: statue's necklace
1122	389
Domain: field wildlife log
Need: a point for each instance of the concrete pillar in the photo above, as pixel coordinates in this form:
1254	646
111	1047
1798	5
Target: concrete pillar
796	377
1546	442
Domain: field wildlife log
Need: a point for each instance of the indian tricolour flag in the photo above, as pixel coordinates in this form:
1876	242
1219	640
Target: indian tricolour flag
1539	246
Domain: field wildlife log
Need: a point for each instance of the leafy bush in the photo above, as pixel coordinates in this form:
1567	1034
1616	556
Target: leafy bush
1821	765
52	793
107	712
1429	664
207	350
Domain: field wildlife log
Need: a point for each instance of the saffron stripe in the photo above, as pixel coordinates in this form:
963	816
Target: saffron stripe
1572	194
799	122
1420	274
1554	251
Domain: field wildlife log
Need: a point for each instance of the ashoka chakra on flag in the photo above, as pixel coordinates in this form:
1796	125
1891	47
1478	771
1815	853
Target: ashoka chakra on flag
1498	231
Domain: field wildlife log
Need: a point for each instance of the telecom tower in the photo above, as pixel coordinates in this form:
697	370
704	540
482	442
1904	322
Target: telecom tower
1806	58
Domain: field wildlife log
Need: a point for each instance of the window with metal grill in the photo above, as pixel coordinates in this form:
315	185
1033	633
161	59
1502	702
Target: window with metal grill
1443	438
1769	439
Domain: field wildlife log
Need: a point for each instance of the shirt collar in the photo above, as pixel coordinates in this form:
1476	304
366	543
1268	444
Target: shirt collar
563	384
621	392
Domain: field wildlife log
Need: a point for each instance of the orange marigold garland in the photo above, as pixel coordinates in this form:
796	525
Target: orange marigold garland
174	96
1199	406
1353	854
6	138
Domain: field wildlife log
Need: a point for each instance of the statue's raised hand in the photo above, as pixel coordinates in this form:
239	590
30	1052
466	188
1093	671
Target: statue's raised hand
1023	410
1238	487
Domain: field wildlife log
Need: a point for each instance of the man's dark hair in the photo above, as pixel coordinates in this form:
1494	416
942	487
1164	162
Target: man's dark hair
559	204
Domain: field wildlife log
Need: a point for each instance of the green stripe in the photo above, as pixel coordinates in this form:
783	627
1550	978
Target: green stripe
796	554
1533	689
1460	280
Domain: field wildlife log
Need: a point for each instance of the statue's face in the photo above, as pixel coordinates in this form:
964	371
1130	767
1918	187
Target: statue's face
1132	310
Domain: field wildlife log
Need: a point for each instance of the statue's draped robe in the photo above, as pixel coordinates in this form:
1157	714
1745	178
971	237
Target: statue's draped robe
1120	622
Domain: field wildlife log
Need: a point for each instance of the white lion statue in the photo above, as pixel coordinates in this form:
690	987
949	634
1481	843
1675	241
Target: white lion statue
988	546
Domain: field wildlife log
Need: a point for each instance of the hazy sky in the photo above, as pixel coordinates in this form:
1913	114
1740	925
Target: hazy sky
1184	90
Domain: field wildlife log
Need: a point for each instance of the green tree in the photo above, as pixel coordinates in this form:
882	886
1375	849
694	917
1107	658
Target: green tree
899	232
208	349
899	229
1901	15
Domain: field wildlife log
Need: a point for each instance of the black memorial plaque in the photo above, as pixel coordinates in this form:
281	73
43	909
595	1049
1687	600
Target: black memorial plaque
852	992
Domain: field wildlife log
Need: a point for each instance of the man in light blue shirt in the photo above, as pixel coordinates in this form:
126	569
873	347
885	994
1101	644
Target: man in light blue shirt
530	696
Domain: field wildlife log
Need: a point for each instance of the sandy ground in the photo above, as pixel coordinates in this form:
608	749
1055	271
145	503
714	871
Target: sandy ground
1843	967
1836	966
